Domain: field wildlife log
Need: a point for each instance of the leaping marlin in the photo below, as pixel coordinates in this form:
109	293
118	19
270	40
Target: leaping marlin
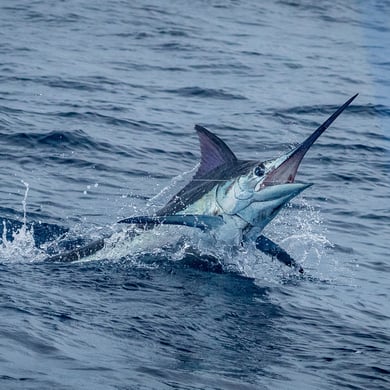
236	199
232	199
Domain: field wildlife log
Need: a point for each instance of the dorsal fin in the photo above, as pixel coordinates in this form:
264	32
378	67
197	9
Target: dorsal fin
214	152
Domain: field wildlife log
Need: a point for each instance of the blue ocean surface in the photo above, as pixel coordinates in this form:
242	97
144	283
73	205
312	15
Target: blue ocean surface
97	106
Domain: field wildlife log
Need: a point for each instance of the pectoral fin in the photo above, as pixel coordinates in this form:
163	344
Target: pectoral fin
203	222
269	247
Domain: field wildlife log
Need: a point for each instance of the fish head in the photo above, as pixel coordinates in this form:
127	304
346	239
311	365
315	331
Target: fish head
250	197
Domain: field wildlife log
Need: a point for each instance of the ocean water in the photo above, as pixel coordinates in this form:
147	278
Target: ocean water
97	106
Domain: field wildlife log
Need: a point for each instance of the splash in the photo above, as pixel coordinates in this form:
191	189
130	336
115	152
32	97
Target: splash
299	230
309	235
21	247
135	243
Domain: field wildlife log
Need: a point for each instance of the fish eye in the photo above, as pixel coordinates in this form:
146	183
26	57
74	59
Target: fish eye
259	171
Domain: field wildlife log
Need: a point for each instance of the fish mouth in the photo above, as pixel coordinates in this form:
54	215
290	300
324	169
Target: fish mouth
284	168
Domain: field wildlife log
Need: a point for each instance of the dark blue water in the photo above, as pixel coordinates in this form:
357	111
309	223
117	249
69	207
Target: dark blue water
97	106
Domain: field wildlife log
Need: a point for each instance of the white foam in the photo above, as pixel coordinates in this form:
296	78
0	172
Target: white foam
21	248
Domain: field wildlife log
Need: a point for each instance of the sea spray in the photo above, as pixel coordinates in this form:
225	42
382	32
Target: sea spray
21	247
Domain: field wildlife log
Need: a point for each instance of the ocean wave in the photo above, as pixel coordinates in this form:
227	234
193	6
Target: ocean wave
205	93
